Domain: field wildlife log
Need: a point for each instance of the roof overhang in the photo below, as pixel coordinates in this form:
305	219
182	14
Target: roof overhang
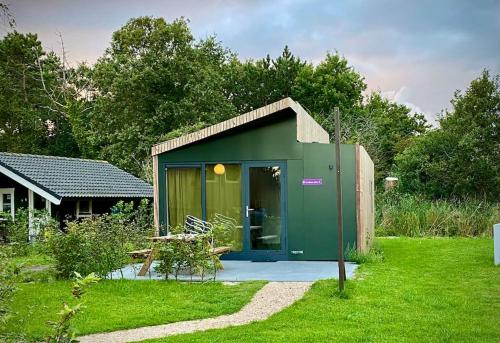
308	130
26	182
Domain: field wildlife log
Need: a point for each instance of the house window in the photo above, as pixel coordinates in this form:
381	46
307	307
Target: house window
7	200
84	208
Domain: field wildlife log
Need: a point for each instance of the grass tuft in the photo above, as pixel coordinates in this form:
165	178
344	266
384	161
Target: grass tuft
374	255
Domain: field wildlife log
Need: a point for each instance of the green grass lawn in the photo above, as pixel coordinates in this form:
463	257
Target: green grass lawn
32	260
426	290
121	304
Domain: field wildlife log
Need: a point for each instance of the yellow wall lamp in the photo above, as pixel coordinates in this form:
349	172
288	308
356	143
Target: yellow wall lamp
219	169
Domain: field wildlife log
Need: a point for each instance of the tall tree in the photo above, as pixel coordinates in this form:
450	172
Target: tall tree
385	129
153	79
462	158
252	84
332	83
32	97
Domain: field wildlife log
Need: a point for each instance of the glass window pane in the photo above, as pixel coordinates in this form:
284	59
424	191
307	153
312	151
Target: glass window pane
38	202
265	208
84	207
223	201
6	205
184	194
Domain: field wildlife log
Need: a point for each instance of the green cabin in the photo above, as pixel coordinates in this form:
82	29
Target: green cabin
272	173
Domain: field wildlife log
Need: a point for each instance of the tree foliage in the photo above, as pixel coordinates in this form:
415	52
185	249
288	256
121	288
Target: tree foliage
385	129
253	84
156	82
31	99
462	158
153	79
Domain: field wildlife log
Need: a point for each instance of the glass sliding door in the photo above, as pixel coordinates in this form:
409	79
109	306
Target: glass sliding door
223	200
184	194
247	199
264	210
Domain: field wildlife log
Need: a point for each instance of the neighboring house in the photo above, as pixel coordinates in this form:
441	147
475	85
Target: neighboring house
67	188
272	172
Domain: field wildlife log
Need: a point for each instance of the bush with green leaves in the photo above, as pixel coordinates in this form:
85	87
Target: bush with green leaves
461	159
99	244
223	235
189	257
17	232
140	216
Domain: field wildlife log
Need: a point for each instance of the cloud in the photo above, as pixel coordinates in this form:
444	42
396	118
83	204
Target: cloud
430	48
402	96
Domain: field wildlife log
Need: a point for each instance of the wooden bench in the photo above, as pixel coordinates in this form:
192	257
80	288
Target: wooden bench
220	250
144	253
148	255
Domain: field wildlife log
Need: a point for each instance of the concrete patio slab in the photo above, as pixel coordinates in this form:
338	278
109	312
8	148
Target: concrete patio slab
247	271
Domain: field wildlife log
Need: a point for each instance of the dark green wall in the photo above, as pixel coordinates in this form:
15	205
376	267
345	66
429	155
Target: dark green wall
272	139
311	222
317	234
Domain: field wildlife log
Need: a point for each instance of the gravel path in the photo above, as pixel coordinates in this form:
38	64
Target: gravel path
271	298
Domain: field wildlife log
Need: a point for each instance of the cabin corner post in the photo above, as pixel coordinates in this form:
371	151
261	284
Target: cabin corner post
156	205
360	243
365	199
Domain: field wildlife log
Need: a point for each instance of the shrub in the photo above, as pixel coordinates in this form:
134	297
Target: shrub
17	229
99	244
93	244
17	232
224	235
191	257
410	215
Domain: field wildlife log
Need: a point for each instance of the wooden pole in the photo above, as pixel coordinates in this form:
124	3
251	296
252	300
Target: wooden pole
339	203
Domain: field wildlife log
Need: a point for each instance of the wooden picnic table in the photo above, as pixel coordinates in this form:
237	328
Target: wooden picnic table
186	237
149	253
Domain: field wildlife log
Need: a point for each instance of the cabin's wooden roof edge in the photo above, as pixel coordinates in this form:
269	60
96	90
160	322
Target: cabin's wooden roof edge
308	130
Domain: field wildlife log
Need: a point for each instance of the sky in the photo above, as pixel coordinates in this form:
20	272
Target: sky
414	52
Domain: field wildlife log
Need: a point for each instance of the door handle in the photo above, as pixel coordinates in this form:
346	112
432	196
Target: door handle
247	209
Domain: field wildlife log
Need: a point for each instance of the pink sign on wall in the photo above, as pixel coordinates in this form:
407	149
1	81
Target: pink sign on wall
312	182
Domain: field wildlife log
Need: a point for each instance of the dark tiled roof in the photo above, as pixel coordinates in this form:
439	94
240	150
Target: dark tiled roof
75	177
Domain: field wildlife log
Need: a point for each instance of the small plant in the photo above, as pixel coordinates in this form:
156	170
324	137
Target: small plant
223	234
62	331
375	254
165	253
7	287
9	278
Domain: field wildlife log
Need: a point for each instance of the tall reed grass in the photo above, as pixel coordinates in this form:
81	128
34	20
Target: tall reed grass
415	216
